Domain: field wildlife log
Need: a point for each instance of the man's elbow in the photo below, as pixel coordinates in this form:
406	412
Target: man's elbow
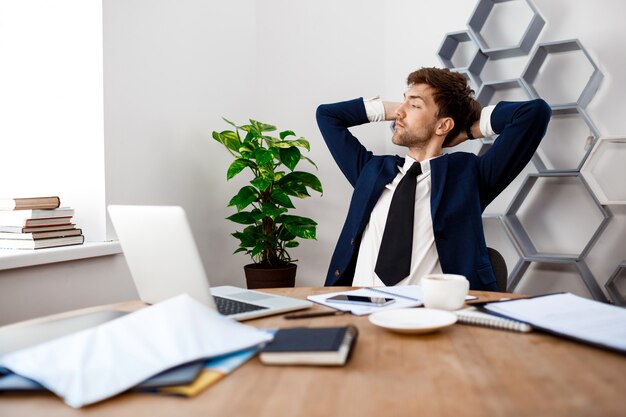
541	111
321	112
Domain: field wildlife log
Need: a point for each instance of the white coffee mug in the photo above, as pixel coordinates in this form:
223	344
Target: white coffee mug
444	291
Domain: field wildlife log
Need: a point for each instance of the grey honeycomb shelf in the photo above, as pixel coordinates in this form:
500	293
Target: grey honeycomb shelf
499	237
544	78
605	170
566	265
534	221
458	51
570	128
616	285
546	222
514	14
508	90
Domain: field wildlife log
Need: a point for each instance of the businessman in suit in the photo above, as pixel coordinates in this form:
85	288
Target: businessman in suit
421	214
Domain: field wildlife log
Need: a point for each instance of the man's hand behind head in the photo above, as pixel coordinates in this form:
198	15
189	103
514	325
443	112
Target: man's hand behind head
471	121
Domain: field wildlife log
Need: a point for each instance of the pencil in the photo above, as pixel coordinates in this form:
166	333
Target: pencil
314	314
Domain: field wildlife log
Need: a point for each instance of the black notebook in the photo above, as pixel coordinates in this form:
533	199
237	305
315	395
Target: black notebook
310	346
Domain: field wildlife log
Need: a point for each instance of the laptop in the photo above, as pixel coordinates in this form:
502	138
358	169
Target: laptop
164	261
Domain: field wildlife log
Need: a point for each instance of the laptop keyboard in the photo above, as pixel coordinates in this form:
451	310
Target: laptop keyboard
228	307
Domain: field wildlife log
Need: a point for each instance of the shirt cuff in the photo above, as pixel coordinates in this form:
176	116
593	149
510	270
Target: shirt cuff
374	109
485	121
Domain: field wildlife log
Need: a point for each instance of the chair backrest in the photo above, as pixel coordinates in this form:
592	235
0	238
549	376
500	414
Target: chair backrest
499	268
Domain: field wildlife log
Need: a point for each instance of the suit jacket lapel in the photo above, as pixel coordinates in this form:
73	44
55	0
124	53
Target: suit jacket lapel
438	170
387	172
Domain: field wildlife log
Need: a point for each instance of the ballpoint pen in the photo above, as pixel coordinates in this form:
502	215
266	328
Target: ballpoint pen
314	314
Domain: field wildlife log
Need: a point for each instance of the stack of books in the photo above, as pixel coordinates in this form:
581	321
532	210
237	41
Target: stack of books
36	223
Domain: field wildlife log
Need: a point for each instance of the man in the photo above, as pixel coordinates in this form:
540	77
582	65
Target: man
442	195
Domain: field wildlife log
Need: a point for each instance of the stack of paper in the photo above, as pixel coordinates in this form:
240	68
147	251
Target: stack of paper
100	362
404	296
570	316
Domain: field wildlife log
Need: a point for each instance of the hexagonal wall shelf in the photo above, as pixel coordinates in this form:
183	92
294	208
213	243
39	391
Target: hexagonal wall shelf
605	170
548	275
563	74
608	250
501	203
510	90
546	222
545	216
570	129
474	80
459	52
499	238
505	28
616	285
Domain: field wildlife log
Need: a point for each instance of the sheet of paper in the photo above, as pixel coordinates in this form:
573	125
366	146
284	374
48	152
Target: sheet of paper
97	363
410	291
401	302
570	315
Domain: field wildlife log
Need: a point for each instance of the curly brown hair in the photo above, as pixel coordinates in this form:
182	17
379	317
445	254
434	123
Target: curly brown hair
452	95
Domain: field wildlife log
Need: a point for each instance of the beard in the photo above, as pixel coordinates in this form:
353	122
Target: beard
410	139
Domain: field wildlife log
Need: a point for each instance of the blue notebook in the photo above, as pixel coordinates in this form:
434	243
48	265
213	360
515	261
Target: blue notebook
310	346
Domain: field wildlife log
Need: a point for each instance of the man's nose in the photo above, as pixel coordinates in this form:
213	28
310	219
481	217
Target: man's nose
400	113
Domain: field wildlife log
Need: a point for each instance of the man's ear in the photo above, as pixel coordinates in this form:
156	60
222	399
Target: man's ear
444	126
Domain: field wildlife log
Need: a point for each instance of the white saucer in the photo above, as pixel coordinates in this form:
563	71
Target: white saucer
413	320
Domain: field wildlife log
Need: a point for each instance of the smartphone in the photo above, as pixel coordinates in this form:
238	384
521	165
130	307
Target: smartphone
361	300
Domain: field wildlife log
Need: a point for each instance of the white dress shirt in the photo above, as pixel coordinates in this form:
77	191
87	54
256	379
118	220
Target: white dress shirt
424	259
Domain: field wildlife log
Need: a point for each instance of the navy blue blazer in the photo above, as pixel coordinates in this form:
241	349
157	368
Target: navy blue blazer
463	185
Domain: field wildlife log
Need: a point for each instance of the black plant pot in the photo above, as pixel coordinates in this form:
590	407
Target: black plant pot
267	276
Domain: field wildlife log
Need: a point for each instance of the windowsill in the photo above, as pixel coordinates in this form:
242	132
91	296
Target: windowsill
10	259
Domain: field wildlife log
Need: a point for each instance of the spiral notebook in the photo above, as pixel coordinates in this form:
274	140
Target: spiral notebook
472	315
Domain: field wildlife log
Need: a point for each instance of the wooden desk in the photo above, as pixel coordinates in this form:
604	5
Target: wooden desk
460	371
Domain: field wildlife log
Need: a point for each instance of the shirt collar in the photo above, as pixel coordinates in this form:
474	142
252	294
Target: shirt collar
425	164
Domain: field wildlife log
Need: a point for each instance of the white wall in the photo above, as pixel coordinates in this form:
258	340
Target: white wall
51	126
36	291
311	53
285	58
173	68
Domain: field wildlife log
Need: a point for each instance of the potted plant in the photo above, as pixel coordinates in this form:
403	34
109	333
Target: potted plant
262	206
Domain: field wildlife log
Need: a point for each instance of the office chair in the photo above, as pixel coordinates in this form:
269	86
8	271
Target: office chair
499	268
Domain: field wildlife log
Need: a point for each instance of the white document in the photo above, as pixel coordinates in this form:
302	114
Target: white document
570	315
400	302
100	362
404	296
413	292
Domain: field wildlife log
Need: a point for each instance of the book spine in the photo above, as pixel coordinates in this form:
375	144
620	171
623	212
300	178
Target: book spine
34	203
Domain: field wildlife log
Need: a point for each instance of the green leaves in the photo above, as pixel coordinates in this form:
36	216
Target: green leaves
281	198
286	133
290	157
272	211
262	127
244	197
261	183
262	206
297	179
284	144
237	166
229	139
300	226
302	142
243	217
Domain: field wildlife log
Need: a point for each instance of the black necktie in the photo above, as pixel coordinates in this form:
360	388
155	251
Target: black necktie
394	255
